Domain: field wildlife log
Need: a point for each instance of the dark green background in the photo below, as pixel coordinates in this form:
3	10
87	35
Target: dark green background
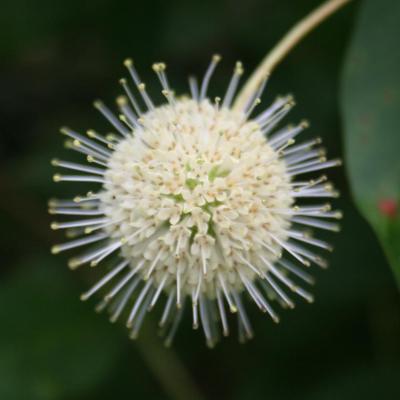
56	57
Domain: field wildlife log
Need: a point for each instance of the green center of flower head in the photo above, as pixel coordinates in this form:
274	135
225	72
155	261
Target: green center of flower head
191	183
215	172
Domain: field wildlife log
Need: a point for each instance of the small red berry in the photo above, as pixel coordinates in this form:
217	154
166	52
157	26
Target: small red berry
388	207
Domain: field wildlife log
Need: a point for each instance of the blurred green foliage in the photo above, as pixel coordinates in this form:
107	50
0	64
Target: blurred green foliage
371	112
50	347
55	59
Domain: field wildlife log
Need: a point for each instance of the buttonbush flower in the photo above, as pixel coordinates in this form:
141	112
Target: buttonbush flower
199	202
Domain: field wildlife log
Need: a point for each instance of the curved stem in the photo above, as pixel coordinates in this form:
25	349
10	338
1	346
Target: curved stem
294	36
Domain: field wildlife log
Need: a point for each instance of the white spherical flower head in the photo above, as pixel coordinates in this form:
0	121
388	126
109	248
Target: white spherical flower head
196	191
199	201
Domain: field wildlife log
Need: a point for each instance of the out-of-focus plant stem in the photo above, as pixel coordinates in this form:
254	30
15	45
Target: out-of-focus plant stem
165	365
294	36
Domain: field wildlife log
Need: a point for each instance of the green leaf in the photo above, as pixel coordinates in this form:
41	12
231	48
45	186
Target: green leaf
371	112
52	346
